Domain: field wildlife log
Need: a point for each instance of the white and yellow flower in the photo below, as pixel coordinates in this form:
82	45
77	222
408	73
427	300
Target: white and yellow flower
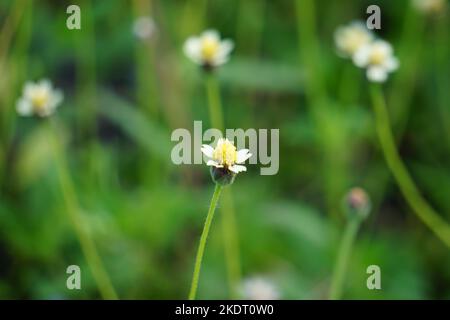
259	288
225	156
39	98
350	38
208	49
378	58
430	6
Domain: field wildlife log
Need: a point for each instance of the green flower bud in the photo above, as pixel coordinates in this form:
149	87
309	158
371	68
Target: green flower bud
208	68
357	203
222	176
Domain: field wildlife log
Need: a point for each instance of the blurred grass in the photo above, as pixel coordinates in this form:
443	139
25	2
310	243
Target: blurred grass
123	98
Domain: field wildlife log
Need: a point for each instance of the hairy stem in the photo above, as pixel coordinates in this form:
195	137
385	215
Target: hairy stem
345	250
229	229
202	244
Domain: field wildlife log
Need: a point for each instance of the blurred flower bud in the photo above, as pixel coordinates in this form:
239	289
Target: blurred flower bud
222	176
144	28
357	203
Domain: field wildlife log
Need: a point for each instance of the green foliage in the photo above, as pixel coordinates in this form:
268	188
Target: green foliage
123	98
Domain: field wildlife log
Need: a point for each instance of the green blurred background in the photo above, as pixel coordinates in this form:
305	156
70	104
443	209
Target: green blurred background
124	96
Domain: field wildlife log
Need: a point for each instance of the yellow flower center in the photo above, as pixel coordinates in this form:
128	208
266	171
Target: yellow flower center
225	153
377	56
40	99
210	47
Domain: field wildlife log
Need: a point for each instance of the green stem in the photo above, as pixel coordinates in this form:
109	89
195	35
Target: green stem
146	90
17	27
333	169
349	86
229	229
202	245
344	253
407	186
214	104
73	210
404	82
441	54
231	244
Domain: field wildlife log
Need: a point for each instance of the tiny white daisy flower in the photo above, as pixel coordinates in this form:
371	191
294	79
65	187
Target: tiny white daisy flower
259	288
208	50
225	160
144	27
225	155
39	98
430	6
350	38
378	58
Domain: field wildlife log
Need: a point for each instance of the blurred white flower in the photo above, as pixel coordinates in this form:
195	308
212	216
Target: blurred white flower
350	38
225	155
378	58
144	27
430	6
39	98
208	49
259	288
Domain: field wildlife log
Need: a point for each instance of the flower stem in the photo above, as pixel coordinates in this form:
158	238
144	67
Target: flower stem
344	253
214	104
229	229
231	245
332	164
409	190
203	238
87	244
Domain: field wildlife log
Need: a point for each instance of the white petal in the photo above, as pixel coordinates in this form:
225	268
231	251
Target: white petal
45	84
207	150
349	38
242	155
28	89
391	64
237	168
226	46
24	107
223	54
192	49
361	56
376	74
214	163
383	46
211	34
